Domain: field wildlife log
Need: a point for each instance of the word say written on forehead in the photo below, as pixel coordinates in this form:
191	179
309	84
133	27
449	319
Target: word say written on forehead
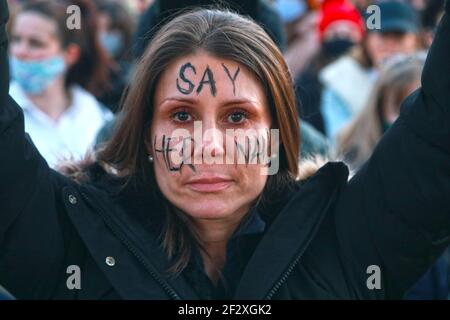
186	86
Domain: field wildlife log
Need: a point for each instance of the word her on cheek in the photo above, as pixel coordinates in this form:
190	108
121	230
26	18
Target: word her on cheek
166	152
241	147
207	79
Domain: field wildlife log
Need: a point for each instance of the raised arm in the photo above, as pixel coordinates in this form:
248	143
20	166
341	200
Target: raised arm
31	242
395	212
4	71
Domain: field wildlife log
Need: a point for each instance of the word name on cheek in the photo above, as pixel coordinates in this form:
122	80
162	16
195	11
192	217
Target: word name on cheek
207	79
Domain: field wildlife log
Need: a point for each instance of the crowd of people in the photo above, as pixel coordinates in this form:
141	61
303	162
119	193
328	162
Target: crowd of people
350	78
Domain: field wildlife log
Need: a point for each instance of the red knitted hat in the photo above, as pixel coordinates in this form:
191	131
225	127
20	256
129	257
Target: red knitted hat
336	10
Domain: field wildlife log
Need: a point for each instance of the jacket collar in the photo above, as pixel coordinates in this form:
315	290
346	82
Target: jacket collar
291	232
139	263
127	238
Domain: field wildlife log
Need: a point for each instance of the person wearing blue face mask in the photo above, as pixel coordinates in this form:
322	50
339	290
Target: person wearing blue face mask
56	72
35	76
116	26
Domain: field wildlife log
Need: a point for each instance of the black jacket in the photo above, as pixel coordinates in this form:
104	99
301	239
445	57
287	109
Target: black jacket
394	213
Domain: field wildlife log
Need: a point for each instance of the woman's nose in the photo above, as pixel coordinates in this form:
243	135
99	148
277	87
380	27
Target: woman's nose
212	142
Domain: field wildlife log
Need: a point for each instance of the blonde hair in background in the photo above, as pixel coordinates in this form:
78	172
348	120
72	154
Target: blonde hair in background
356	142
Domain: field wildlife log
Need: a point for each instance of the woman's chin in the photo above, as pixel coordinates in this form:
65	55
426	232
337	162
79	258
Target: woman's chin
208	210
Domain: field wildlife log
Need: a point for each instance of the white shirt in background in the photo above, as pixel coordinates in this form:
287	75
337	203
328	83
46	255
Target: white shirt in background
75	131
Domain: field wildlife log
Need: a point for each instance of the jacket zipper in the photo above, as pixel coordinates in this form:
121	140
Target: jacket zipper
167	288
283	279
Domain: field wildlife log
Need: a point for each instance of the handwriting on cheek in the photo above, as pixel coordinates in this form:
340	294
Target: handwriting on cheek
245	150
166	152
251	149
207	79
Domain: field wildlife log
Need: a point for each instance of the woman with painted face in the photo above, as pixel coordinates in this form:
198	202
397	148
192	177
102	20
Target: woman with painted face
198	195
56	71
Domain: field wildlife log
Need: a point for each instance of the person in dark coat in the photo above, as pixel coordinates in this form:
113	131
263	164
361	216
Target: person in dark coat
124	226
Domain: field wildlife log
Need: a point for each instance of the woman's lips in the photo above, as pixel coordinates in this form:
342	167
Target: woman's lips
209	184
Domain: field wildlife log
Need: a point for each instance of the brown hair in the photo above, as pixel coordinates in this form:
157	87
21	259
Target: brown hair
356	141
122	20
91	69
222	34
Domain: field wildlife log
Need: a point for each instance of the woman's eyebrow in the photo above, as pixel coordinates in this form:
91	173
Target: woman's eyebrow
240	101
179	99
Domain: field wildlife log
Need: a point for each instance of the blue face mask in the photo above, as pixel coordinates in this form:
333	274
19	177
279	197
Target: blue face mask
36	75
290	10
112	42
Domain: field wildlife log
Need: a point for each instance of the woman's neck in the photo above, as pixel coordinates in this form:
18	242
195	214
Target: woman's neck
53	101
214	236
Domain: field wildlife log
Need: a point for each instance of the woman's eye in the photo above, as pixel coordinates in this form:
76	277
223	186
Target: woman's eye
182	116
237	117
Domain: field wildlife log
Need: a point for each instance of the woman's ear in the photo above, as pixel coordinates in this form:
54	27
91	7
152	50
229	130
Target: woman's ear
72	54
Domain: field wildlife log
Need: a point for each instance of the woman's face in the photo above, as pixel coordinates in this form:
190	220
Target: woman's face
342	29
383	46
219	95
34	37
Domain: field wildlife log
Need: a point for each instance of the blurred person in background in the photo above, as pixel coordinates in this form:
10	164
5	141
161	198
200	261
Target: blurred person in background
116	28
430	16
262	11
398	79
419	5
56	72
139	6
362	5
349	80
300	24
300	19
339	28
